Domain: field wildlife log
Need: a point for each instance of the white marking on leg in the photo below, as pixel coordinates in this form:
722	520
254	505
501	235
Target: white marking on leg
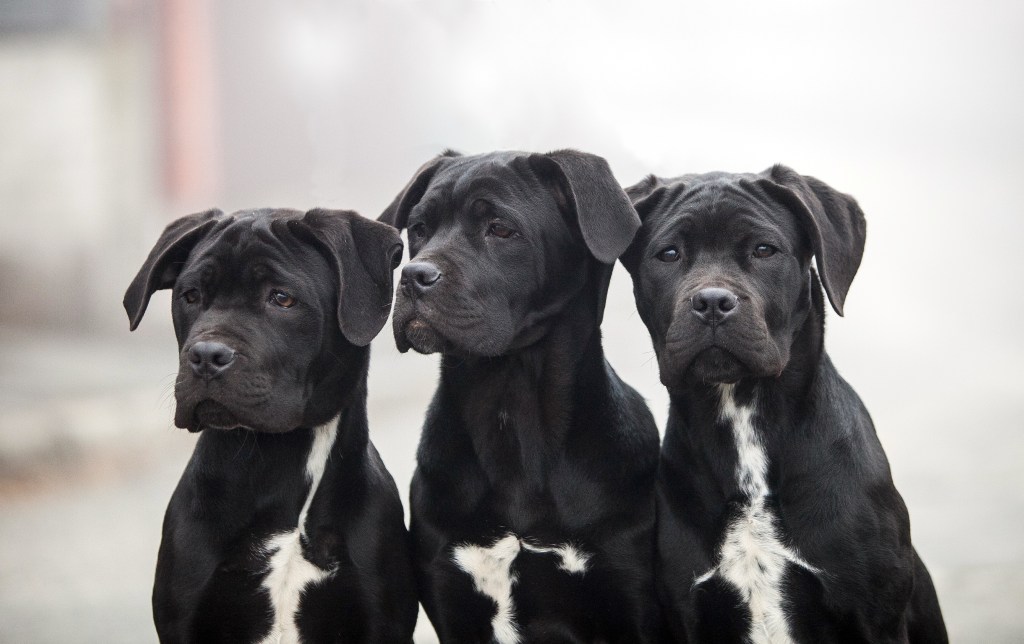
289	573
491	570
752	557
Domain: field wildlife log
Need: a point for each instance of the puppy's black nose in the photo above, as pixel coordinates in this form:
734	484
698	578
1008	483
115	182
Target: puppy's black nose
713	305
210	359
419	276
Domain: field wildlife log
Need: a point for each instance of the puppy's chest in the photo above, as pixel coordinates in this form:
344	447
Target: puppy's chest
288	561
753	556
504	568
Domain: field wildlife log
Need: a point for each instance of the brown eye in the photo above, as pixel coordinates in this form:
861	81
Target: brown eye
282	299
191	296
499	229
669	254
764	250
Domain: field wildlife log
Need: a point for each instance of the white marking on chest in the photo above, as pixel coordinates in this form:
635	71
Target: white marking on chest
288	571
491	570
573	560
752	557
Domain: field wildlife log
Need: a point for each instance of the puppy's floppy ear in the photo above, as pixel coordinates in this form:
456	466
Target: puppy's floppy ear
645	196
833	222
364	254
165	261
397	213
584	185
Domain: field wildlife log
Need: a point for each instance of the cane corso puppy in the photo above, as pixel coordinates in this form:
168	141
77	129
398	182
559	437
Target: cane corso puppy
778	518
285	526
533	498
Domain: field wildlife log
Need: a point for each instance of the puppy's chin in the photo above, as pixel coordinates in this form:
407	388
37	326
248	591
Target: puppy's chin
206	414
419	336
212	415
716	366
712	365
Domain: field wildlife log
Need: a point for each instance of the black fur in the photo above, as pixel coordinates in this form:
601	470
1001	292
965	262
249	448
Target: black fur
290	369
530	432
830	487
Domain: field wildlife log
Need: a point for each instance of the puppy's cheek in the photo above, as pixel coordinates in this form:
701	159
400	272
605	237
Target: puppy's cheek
674	361
775	357
185	400
499	334
184	416
667	372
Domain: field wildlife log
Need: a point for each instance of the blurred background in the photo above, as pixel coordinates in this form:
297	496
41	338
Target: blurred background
117	116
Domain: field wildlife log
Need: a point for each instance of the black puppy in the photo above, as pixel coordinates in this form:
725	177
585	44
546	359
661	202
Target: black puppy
533	498
285	526
778	518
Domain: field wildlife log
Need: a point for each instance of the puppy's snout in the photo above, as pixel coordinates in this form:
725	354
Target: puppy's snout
713	305
419	277
210	359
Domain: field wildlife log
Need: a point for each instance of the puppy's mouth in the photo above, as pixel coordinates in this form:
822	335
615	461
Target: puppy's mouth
413	330
716	365
417	334
210	414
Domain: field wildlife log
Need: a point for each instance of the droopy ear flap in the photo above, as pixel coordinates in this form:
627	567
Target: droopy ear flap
645	196
162	267
397	213
833	221
364	254
584	184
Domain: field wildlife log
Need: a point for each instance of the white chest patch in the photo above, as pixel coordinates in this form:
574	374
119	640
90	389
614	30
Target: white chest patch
753	558
491	570
288	571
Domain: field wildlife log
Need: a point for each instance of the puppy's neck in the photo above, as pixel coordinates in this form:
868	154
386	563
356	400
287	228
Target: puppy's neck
522	402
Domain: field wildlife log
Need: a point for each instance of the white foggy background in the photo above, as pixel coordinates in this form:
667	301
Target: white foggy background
117	116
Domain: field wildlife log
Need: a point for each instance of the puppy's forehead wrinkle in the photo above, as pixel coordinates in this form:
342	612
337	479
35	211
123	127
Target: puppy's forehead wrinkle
716	191
681	207
250	257
745	192
451	194
476	184
720	213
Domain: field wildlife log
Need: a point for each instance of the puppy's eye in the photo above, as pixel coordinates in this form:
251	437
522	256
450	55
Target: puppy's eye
418	230
191	296
396	256
499	229
282	299
669	254
764	250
